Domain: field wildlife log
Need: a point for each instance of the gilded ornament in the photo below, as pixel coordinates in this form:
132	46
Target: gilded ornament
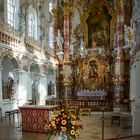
66	9
55	11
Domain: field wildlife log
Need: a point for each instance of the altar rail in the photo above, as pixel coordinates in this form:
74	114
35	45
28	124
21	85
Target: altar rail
95	105
91	95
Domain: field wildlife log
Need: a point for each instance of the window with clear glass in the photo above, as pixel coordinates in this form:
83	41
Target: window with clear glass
51	34
30	25
11	12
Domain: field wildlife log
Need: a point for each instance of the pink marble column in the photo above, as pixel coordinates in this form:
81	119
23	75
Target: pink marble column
67	62
119	61
66	31
120	24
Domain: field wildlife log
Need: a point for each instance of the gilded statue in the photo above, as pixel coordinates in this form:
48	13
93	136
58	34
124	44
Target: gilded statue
93	74
103	75
129	37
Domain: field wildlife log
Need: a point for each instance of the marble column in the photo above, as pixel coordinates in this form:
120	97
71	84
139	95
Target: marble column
55	26
119	61
67	62
1	79
0	86
66	31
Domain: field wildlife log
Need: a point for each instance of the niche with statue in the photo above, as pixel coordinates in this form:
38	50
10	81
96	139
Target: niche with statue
35	76
51	82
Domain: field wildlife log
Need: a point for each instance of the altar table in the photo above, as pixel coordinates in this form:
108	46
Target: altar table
35	117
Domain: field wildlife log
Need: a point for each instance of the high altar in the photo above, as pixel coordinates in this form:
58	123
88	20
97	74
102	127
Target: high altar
92	65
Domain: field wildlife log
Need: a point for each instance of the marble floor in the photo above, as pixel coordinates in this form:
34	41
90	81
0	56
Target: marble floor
92	129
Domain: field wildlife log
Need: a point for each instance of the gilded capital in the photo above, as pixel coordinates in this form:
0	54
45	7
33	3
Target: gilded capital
120	56
66	9
67	82
55	11
120	3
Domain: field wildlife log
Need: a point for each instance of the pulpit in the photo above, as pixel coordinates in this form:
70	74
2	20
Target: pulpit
35	117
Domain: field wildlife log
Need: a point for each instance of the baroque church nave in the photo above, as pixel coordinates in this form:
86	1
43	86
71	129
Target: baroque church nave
76	55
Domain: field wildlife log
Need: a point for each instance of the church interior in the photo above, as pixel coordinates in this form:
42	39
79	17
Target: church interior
82	56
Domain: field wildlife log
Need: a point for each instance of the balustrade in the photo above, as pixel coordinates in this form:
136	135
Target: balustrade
9	35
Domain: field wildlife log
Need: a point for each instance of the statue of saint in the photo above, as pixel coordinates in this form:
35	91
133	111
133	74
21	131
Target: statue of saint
60	41
128	36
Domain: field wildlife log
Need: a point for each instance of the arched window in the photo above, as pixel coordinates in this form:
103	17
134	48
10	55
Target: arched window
51	33
9	78
31	25
11	10
32	22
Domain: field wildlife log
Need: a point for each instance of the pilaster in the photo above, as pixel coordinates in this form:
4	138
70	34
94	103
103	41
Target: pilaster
119	61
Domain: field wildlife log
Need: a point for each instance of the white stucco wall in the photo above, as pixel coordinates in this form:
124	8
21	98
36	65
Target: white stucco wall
135	94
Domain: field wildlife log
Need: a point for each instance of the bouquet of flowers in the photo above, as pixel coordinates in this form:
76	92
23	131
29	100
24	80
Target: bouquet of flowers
64	123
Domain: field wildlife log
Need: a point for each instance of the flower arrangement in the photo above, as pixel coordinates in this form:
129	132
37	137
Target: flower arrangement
64	123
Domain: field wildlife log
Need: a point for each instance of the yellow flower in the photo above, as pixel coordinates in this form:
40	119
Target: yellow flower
73	116
73	122
54	115
77	132
54	126
53	123
46	127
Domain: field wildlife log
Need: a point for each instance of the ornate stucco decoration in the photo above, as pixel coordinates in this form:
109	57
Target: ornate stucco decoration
33	42
35	71
66	8
44	69
7	53
24	63
129	38
93	73
136	10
